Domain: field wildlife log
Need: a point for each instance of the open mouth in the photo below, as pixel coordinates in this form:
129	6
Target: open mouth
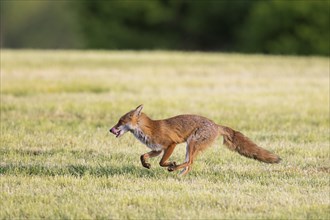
116	132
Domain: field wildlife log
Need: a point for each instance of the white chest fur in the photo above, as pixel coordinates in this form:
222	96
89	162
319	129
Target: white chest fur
138	133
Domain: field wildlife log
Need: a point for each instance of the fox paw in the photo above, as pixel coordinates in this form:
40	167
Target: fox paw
172	167
147	165
172	164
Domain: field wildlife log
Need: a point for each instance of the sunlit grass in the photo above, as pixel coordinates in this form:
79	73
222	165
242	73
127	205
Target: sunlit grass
57	159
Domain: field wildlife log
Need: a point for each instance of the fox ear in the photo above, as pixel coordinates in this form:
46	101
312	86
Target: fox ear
138	110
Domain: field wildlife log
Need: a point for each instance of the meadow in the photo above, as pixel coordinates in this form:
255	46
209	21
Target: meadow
59	161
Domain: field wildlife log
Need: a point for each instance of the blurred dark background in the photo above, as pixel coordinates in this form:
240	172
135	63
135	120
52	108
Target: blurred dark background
269	26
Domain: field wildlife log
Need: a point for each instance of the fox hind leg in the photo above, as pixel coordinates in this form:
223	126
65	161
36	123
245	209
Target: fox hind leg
187	169
190	153
198	141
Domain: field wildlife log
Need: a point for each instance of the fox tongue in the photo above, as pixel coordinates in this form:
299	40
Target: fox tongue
115	131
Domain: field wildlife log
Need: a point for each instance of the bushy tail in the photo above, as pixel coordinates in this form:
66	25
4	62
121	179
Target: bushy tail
236	141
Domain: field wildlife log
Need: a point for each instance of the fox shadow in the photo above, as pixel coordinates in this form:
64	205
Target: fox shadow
74	170
78	170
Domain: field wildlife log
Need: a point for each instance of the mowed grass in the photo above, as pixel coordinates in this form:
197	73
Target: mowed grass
58	160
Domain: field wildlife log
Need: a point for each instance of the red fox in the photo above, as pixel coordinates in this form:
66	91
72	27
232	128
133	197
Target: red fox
197	131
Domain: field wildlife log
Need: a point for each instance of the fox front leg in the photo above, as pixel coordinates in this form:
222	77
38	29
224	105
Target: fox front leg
146	156
167	153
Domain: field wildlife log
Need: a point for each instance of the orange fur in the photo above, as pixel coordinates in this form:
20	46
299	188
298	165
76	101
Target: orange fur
197	131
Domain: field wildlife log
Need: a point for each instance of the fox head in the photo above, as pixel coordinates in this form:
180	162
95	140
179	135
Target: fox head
127	122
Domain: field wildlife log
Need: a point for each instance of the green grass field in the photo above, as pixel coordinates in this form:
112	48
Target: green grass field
58	160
